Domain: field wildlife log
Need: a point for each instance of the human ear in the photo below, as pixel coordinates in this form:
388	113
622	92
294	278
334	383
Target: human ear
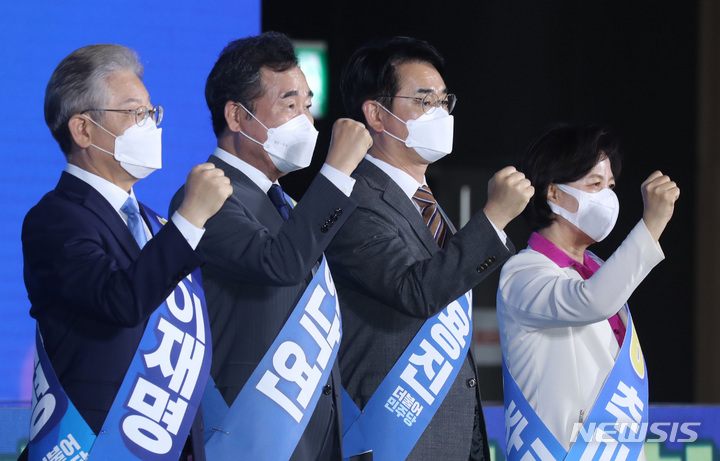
371	110
78	126
235	116
552	193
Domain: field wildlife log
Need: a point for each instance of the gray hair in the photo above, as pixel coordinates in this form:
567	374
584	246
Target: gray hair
79	83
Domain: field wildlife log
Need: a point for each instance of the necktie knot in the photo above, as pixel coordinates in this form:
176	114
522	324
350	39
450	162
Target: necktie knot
431	214
424	197
134	221
277	197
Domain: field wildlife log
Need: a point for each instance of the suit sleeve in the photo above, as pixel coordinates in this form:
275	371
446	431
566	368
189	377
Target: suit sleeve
538	295
238	246
375	258
72	258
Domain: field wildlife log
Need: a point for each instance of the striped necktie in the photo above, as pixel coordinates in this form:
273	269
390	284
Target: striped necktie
134	221
431	214
277	197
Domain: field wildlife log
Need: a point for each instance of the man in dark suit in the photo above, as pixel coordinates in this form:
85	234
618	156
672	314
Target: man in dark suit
91	282
397	263
261	254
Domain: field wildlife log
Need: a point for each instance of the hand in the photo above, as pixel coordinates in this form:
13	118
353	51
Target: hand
509	191
206	189
659	196
349	143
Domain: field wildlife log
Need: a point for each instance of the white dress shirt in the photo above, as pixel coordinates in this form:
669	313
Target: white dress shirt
117	197
556	340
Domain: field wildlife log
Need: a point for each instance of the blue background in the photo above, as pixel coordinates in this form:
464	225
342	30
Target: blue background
178	43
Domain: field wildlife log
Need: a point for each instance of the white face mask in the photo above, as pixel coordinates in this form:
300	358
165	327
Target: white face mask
138	149
596	214
431	135
291	145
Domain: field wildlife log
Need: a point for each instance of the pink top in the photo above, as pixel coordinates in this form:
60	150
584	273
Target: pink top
544	246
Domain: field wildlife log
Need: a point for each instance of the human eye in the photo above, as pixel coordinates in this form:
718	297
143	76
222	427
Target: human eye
140	114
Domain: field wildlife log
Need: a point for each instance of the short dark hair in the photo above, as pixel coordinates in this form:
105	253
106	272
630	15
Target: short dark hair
563	153
236	74
79	83
370	72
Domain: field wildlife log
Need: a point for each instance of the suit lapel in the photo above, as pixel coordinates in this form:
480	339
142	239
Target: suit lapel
394	197
251	196
85	195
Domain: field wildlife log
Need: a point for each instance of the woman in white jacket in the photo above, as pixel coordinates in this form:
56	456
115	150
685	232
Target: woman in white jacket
561	310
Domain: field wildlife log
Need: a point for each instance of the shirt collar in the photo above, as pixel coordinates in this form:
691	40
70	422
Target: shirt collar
406	182
256	176
111	192
544	246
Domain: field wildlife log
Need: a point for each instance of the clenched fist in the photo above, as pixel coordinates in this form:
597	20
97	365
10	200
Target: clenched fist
206	189
659	196
509	191
349	143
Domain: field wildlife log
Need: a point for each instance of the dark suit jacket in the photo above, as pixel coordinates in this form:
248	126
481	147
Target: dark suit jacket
257	269
92	289
391	277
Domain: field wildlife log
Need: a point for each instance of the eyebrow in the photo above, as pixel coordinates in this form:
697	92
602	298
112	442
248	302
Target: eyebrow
599	176
430	90
132	100
292	93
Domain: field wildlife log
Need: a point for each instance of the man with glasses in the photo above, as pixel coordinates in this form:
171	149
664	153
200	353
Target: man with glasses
404	275
111	283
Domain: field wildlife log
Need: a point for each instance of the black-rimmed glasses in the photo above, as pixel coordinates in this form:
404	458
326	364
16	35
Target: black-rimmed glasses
430	101
142	113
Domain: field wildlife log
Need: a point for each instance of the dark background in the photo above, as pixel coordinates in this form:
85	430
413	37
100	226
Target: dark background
518	66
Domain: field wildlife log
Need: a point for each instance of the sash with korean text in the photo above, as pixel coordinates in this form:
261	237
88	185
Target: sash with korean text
403	405
615	429
151	415
269	415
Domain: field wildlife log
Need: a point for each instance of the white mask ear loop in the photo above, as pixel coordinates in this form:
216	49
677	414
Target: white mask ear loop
106	131
98	125
399	119
253	116
253	140
257	120
577	200
386	110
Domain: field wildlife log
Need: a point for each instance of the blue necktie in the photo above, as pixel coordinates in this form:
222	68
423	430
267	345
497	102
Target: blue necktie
277	197
135	223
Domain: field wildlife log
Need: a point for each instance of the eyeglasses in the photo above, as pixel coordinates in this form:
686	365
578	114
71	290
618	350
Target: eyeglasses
431	101
142	113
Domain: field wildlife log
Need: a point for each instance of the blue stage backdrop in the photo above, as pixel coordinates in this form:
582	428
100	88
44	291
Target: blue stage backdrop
178	42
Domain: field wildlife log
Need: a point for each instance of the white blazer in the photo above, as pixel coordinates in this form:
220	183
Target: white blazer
556	340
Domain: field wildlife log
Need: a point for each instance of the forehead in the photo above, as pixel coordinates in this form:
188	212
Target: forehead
417	75
602	169
277	85
126	89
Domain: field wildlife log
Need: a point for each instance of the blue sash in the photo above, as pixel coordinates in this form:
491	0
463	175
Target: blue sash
615	428
269	415
403	405
151	415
